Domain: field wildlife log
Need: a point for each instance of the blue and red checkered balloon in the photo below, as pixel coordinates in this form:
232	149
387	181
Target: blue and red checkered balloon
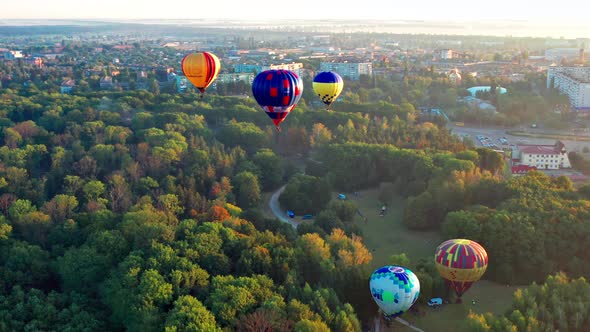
277	92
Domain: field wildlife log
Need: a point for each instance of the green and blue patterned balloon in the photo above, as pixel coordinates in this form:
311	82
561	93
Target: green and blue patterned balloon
395	289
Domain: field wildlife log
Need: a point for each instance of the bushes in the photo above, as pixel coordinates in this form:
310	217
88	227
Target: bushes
579	163
306	194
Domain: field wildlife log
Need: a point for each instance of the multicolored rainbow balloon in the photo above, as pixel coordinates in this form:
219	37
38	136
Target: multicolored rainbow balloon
461	262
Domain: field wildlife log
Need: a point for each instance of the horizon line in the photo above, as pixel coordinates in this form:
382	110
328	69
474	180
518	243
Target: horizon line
476	20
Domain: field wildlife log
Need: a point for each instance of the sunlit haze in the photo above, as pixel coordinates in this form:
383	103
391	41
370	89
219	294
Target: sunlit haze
302	9
500	17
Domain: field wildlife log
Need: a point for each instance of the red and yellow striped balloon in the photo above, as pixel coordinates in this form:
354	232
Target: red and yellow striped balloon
200	69
461	262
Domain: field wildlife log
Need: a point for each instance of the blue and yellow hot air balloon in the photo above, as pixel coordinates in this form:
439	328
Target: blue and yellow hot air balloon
277	92
395	289
328	86
200	69
461	262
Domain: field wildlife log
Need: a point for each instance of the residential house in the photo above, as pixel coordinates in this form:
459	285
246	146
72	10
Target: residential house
13	55
142	75
67	86
106	82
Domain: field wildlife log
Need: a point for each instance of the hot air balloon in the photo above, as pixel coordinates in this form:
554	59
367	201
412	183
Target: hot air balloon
328	86
461	262
277	92
201	69
395	289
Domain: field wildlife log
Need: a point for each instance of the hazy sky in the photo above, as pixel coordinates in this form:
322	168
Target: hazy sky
451	10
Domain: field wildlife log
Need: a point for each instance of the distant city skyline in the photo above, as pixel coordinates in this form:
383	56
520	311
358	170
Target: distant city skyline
456	10
458	17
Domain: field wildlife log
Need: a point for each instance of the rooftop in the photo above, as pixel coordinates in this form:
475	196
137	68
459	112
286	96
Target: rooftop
581	74
558	148
68	83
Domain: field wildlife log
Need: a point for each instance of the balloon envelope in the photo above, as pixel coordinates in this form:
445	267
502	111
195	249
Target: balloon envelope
395	289
277	92
461	262
328	86
200	69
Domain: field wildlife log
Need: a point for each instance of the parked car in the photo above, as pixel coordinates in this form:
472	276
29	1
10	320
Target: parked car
307	216
341	196
435	301
291	214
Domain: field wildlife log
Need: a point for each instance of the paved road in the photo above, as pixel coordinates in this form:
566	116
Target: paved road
377	322
275	207
495	132
406	323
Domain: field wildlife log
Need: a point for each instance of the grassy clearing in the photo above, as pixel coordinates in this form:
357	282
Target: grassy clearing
489	296
387	235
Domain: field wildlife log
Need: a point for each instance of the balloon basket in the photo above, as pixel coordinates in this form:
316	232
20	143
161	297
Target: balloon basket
385	319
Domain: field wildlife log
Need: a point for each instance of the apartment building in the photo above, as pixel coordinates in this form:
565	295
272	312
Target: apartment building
573	81
349	70
296	67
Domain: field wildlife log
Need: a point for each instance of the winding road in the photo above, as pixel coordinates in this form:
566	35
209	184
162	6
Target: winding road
275	207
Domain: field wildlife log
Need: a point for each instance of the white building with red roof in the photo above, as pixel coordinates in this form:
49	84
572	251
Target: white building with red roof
541	156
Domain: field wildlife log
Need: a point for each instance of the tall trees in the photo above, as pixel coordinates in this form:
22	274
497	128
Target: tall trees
270	167
246	189
538	227
124	209
244	134
189	314
558	304
137	298
306	194
231	297
32	309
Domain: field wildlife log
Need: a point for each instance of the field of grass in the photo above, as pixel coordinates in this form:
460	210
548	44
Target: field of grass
489	296
387	235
